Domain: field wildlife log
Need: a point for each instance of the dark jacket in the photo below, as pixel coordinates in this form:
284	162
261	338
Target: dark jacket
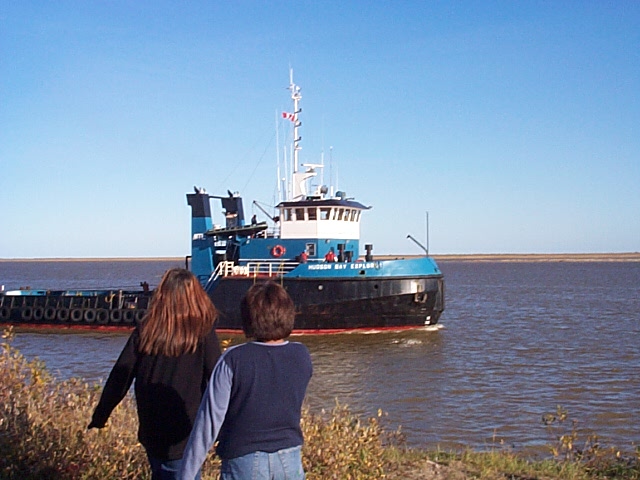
168	393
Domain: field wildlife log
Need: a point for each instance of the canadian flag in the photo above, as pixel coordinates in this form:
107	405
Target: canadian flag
289	116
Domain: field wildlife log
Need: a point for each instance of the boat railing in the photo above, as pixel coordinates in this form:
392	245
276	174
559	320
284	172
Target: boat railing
254	269
221	270
273	232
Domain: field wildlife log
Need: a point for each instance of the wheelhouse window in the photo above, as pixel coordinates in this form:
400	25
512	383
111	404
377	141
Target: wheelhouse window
299	214
325	213
312	212
288	216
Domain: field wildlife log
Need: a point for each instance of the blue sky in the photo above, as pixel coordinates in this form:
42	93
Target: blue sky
514	124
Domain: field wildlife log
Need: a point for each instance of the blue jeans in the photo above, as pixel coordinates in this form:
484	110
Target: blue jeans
285	464
166	469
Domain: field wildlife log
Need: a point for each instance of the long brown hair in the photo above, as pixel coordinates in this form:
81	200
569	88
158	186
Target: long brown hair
267	312
180	314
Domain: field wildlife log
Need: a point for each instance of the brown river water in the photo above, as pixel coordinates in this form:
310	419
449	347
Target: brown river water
516	340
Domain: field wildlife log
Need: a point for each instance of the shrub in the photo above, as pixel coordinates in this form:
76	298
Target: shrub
339	446
571	450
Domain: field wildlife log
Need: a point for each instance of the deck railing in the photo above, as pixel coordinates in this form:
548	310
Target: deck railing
256	268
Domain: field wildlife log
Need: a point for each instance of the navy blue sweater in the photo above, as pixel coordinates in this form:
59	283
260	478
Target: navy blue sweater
252	403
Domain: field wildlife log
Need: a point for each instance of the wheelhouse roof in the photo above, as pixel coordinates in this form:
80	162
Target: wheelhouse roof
330	202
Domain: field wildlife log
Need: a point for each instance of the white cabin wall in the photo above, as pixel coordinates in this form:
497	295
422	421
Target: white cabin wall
339	229
320	229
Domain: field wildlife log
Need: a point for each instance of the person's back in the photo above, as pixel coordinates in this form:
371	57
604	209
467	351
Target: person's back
168	391
253	403
171	357
269	384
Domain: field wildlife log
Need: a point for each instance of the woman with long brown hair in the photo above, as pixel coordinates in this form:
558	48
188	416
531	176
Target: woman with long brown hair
170	356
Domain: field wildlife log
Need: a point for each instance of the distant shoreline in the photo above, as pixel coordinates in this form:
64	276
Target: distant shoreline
540	257
551	257
480	257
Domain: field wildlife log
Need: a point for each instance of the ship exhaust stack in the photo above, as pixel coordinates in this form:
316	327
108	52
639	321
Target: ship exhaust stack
201	245
233	210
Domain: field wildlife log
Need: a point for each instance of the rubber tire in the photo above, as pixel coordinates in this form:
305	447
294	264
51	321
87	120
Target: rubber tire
26	313
50	314
76	315
38	313
89	315
102	316
115	315
128	315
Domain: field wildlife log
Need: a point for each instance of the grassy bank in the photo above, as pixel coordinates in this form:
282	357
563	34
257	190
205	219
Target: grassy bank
43	435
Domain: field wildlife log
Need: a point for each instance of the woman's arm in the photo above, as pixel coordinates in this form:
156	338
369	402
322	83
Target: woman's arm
118	383
208	420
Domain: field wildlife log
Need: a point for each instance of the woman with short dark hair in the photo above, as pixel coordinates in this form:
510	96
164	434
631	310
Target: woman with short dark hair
253	403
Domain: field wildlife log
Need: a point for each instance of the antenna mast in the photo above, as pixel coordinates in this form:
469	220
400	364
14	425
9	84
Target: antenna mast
278	174
296	96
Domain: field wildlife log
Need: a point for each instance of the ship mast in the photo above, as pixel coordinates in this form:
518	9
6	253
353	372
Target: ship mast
296	96
298	178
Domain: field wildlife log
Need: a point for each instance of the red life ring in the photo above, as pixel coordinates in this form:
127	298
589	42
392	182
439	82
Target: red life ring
278	251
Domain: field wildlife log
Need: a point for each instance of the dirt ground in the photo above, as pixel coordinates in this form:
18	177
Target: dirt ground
429	470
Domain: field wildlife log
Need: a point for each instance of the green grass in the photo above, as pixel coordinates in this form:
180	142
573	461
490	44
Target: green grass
43	435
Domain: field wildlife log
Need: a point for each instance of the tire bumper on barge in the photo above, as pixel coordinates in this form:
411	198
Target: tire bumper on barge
110	309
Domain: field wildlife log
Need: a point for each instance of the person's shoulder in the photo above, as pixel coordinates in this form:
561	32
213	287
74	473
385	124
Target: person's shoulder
134	338
235	351
301	347
299	354
212	334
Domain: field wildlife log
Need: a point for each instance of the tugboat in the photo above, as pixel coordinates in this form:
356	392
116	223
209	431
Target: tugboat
311	246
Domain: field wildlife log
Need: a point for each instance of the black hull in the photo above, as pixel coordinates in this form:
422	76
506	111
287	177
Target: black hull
344	304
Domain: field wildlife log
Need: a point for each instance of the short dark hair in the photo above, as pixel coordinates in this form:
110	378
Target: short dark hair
267	312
